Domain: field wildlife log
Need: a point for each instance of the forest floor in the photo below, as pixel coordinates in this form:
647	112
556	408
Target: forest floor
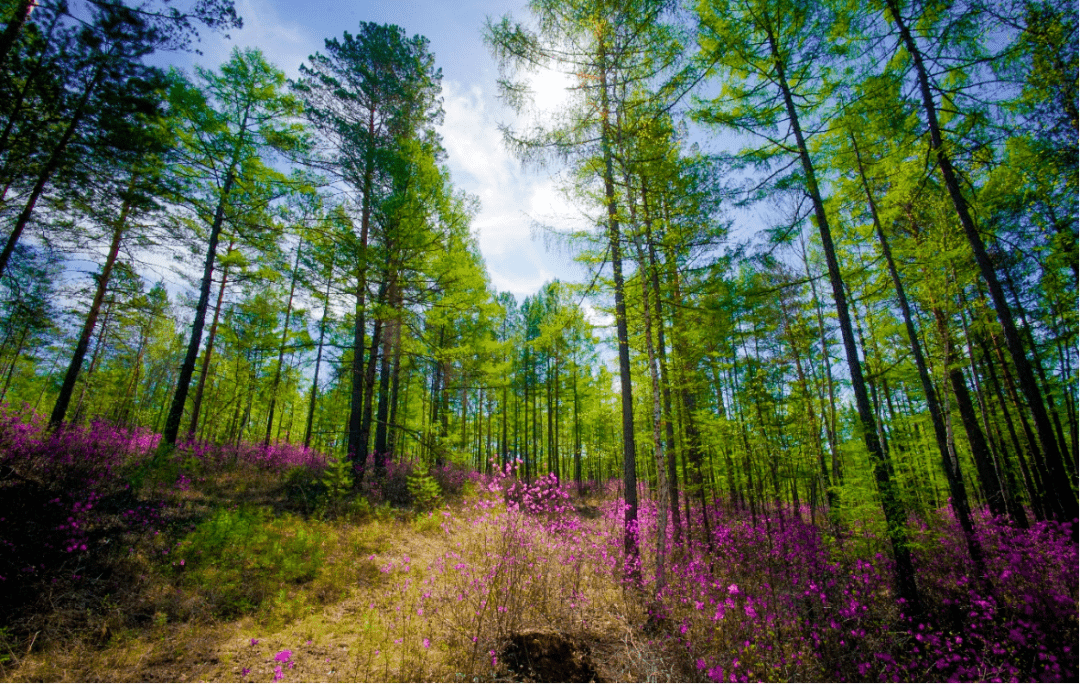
232	580
263	565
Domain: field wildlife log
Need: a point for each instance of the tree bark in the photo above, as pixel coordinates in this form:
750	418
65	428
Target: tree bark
1062	495
318	356
357	452
388	342
630	496
176	409
68	386
196	404
895	515
949	463
281	349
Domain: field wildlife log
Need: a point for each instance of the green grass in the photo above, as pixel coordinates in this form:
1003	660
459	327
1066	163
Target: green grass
238	559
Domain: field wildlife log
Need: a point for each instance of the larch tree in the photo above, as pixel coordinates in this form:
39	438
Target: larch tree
781	51
610	49
231	124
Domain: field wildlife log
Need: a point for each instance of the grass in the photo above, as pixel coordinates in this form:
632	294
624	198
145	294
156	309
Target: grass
236	571
258	566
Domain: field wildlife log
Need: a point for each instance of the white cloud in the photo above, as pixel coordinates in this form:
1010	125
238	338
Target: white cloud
551	90
512	199
285	43
596	318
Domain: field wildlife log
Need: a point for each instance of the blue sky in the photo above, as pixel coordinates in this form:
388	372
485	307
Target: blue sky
512	199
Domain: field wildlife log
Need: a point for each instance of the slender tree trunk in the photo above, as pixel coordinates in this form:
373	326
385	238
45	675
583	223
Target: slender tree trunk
980	450
692	436
1041	373
1061	493
804	387
98	348
895	516
318	355
14	361
669	427
949	463
357	451
68	386
176	409
281	348
577	434
46	173
996	449
630	534
1037	471
1033	496
662	492
200	387
369	373
384	386
828	411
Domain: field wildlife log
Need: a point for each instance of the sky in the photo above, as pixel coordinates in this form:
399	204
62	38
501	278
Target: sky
512	199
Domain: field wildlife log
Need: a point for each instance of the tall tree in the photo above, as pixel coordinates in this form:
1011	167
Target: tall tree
229	127
783	46
1064	499
612	49
366	94
117	206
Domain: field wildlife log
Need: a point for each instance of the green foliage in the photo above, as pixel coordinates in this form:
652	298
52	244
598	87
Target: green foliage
337	478
304	488
424	490
238	559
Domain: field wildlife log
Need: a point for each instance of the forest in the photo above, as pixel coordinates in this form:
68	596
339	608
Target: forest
812	414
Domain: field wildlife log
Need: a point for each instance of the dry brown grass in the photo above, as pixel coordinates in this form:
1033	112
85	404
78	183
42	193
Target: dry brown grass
398	597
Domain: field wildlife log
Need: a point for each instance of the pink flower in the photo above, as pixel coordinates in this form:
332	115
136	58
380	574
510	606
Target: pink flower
427	642
283	656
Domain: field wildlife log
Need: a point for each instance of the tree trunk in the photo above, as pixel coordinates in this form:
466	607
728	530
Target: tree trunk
318	355
630	532
1060	491
357	452
98	348
658	444
14	361
384	387
895	515
68	386
176	409
669	427
281	349
50	167
196	404
949	463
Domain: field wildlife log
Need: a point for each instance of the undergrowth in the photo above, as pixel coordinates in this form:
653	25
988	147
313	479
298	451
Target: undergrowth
276	564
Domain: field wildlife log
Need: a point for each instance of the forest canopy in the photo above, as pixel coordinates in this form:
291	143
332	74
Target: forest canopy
860	312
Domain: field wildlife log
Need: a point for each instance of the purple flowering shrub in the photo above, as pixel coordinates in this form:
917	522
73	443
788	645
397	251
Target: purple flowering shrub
451	478
60	494
772	600
276	458
544	498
